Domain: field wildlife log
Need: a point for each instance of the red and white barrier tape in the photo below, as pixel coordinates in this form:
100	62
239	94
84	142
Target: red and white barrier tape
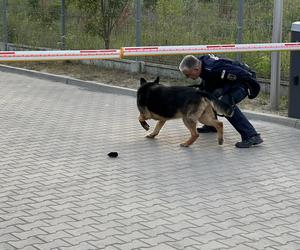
59	55
142	51
207	49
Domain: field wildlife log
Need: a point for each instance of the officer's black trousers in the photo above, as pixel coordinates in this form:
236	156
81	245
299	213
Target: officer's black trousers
239	121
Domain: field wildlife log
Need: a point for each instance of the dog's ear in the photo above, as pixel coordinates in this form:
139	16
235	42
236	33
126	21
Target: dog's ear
143	81
156	80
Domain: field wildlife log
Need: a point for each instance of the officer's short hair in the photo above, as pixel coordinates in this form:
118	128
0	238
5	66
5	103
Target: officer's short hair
189	62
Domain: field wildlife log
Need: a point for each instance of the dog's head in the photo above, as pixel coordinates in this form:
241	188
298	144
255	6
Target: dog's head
144	89
144	82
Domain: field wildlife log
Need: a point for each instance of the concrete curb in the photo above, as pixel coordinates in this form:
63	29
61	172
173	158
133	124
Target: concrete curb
286	121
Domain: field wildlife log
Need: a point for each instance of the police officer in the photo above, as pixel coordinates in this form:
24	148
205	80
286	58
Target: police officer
230	81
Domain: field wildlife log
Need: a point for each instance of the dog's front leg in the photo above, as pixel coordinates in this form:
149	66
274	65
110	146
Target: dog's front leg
143	122
157	128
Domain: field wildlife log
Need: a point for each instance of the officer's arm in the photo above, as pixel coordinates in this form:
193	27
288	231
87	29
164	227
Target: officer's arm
234	75
237	75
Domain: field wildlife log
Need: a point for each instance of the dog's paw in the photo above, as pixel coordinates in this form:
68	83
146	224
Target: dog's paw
145	125
185	145
220	141
151	136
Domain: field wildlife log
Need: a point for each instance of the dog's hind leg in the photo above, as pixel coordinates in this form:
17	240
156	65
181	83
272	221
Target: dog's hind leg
220	131
210	120
157	128
191	125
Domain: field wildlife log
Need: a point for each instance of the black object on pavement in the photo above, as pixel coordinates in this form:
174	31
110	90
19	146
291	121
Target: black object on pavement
113	154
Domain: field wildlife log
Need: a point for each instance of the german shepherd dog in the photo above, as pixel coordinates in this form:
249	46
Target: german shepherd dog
162	103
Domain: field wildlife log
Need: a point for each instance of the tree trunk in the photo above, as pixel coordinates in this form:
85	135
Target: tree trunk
107	42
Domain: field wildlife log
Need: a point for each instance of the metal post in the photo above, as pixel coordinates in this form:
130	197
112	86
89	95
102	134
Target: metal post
63	26
294	88
240	20
5	25
275	56
138	11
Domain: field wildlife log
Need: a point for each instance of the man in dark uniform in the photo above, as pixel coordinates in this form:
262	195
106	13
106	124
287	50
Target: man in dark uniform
230	81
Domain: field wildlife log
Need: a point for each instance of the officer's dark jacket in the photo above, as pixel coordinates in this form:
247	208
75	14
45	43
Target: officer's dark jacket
224	73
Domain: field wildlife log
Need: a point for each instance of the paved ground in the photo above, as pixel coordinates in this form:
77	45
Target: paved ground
59	190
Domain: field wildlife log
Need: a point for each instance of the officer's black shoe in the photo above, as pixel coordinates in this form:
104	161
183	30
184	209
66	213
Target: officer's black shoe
254	140
206	129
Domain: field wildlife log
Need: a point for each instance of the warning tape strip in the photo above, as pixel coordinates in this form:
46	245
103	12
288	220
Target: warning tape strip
143	51
59	55
206	49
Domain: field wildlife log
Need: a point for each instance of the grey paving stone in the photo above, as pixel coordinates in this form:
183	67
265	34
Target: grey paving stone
290	245
55	244
162	246
6	246
263	244
59	190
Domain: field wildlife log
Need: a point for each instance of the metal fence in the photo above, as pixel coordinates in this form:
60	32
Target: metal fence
170	22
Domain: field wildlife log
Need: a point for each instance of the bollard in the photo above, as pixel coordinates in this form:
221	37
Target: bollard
294	90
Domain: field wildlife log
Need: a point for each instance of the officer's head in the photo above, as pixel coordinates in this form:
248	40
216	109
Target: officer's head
190	66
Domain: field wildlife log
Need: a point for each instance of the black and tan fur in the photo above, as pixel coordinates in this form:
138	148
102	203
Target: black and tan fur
162	103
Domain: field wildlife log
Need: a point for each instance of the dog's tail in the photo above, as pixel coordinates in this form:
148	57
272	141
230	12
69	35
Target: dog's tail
221	108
